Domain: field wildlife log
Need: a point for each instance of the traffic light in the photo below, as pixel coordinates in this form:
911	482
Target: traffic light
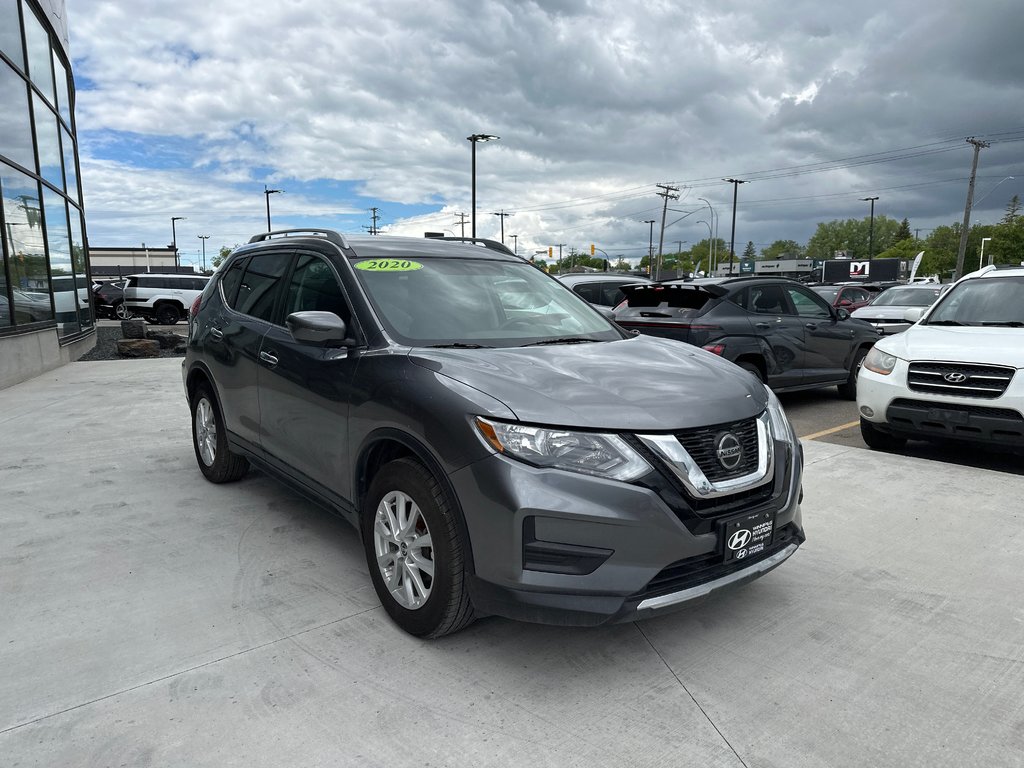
551	252
592	249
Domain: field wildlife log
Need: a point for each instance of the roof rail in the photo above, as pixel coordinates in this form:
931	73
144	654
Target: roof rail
494	245
335	237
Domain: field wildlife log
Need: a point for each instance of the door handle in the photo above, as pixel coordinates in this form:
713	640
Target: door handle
217	333
268	358
762	325
811	326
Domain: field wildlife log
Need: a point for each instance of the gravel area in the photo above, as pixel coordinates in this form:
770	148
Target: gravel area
108	335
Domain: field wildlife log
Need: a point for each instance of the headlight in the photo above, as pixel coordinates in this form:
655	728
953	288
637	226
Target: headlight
590	453
781	427
879	361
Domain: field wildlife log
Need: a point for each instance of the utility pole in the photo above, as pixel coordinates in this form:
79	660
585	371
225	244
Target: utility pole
373	219
503	216
871	227
732	239
204	238
961	252
666	193
560	255
462	222
650	246
515	244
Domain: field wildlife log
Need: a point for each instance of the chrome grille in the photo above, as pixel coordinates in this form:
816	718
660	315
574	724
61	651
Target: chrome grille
701	445
959	379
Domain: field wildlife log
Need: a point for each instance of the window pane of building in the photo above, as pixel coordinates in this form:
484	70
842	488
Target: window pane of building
10	33
39	57
47	144
82	283
62	276
15	123
63	90
68	147
23	235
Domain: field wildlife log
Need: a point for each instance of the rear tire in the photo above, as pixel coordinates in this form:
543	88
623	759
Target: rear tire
848	391
121	311
167	314
210	440
414	551
877	440
752	369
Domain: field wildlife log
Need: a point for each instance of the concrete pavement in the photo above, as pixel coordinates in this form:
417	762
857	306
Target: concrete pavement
148	617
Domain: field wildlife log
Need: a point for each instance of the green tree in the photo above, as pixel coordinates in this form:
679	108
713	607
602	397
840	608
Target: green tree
750	252
1012	210
223	254
903	233
783	249
851	237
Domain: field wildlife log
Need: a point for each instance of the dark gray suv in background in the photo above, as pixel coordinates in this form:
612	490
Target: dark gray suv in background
501	446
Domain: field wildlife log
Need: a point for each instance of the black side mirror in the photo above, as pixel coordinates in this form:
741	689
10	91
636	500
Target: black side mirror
842	314
320	329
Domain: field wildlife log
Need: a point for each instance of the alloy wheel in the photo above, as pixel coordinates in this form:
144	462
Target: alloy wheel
404	551
206	431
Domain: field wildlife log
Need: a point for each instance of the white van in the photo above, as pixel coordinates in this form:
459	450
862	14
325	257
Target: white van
162	299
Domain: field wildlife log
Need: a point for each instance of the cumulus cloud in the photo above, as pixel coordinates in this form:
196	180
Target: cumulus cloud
195	105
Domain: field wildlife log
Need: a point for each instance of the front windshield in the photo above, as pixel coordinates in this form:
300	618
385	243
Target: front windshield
982	301
428	301
907	297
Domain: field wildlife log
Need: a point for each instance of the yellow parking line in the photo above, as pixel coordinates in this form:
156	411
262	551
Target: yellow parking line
824	432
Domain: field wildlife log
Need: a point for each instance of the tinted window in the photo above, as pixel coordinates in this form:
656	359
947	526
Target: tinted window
589	291
314	287
258	291
231	280
768	300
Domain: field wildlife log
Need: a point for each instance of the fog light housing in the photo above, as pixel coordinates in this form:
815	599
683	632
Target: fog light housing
867	411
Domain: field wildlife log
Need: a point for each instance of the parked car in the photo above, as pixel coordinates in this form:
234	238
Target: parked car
31	306
956	374
108	298
887	311
603	288
160	298
775	328
502	447
849	297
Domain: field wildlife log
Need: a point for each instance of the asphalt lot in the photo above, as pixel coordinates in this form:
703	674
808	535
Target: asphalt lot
151	618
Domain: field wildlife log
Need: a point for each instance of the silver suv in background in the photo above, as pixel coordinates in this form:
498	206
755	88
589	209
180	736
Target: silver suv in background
162	299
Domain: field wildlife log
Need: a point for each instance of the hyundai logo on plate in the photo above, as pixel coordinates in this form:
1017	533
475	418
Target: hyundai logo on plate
729	450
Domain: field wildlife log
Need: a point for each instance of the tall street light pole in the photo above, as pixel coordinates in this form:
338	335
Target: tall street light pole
732	240
268	193
515	244
650	247
871	227
174	238
204	238
473	140
981	258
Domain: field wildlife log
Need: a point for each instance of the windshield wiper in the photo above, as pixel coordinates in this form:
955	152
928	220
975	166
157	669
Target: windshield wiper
944	322
564	340
1006	323
459	345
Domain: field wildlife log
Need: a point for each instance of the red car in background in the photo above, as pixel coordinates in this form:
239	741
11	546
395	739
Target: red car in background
849	297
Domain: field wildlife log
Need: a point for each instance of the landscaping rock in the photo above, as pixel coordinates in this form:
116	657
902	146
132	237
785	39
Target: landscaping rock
167	339
133	329
138	348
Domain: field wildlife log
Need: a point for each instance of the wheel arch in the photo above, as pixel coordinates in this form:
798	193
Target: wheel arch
387	444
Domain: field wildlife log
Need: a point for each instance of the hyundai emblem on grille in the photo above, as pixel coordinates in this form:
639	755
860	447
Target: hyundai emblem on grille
728	450
955	377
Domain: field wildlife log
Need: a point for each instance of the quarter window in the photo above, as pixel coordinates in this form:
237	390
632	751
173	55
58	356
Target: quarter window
231	280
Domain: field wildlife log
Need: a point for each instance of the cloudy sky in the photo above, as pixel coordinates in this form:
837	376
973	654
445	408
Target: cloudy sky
191	108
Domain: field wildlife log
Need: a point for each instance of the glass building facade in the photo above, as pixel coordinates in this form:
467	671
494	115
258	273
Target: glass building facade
44	275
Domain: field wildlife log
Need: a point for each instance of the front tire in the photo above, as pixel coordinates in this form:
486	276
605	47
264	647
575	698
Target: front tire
848	391
210	440
752	369
414	551
121	311
877	440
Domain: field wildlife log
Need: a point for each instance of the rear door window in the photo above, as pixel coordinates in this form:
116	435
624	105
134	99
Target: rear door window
231	280
260	284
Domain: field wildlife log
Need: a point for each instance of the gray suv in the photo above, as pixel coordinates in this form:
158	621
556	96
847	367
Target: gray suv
500	445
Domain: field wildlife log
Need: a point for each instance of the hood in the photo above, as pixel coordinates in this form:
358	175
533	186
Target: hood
987	346
892	312
640	384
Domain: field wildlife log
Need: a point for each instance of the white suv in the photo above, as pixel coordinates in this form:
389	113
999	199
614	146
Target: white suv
956	374
162	299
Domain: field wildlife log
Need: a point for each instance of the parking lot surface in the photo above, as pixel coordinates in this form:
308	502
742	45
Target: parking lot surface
151	618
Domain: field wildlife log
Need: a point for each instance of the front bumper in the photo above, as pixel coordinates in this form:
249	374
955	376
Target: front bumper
561	548
889	404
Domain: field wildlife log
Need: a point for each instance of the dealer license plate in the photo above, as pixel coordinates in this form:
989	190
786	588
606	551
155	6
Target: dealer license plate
747	535
948	416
